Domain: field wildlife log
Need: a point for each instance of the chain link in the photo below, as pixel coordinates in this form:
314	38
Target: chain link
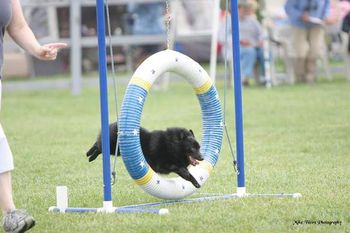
167	23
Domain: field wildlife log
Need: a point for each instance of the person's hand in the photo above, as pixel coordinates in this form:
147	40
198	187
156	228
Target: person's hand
330	20
48	52
305	17
244	42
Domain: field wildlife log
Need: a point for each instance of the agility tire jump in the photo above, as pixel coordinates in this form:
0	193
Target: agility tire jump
130	117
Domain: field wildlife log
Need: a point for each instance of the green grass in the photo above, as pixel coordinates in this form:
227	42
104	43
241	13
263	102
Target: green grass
296	140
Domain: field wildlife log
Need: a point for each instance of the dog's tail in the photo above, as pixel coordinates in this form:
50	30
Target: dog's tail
93	152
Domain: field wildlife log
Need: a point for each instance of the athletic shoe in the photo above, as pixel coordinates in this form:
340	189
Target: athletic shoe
17	221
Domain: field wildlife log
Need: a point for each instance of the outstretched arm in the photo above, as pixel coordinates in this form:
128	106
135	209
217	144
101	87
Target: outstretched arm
20	32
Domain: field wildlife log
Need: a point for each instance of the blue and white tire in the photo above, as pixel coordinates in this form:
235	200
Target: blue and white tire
130	117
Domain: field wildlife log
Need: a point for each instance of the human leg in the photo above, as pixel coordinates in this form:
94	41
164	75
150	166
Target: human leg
6	199
299	50
317	48
6	165
261	60
299	69
248	59
14	220
311	64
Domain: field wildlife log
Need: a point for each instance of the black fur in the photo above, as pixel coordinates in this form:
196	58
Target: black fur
166	151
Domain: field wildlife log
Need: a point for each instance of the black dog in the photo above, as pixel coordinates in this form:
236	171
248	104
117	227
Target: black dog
166	151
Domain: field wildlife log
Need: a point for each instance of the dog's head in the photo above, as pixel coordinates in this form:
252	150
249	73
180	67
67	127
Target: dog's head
188	149
192	148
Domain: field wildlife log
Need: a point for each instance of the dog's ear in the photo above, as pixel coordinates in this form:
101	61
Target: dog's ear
191	132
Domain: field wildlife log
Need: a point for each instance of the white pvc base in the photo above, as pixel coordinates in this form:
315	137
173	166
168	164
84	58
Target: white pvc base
107	207
62	206
124	209
217	196
297	195
145	208
241	191
279	195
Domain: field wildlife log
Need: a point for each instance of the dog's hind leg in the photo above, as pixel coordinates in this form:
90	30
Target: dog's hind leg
93	152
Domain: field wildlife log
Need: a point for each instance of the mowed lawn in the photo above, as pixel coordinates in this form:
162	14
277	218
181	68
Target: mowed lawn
297	139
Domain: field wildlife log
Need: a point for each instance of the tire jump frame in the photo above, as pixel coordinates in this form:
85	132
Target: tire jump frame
145	177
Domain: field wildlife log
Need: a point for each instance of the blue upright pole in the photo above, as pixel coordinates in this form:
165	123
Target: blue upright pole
100	17
238	97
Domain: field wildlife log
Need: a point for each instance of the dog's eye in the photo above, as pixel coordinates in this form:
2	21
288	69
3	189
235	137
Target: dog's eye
196	146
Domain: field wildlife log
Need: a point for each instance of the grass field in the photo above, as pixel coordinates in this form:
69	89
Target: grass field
297	139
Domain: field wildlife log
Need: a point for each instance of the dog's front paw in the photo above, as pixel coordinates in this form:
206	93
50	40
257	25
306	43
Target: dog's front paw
196	184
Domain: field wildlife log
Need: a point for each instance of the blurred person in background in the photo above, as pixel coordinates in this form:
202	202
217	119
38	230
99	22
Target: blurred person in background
307	19
13	21
146	19
251	39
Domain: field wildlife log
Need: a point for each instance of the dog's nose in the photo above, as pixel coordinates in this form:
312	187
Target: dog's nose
200	157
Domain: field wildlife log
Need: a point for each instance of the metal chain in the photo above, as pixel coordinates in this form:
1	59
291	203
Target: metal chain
111	54
225	90
167	23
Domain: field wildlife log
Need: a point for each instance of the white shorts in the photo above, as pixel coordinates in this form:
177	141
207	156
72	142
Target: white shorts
6	159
